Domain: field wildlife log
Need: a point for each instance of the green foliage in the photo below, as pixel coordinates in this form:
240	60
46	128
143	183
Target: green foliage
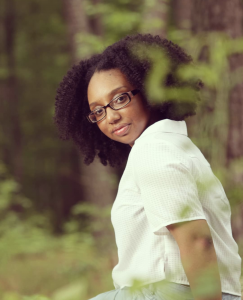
89	43
57	266
34	261
76	290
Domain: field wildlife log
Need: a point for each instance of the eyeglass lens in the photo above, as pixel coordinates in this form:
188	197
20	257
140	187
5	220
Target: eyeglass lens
116	103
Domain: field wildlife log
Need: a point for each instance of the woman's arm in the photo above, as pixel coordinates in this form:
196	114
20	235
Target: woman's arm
198	258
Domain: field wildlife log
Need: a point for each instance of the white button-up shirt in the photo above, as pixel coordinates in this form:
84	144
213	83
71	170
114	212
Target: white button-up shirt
168	180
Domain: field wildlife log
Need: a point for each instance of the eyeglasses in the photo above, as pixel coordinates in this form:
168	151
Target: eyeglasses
117	103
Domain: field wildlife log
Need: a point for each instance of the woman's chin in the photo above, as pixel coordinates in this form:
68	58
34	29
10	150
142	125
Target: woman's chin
126	140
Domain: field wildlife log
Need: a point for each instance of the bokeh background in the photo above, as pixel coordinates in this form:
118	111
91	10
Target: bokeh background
56	239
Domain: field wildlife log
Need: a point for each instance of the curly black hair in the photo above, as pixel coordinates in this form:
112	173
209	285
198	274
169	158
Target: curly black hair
71	106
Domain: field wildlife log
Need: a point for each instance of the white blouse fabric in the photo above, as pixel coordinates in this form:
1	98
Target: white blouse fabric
167	180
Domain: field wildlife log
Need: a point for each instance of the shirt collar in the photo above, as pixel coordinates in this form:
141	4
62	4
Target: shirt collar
166	125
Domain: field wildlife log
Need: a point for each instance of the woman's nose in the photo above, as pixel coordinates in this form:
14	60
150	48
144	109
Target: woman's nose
112	115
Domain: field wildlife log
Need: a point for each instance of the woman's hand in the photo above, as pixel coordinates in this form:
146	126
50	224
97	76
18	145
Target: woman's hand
198	258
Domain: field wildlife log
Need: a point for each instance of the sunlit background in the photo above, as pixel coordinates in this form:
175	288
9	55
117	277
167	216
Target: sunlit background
56	239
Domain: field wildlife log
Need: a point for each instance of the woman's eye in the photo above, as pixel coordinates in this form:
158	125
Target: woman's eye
98	112
121	99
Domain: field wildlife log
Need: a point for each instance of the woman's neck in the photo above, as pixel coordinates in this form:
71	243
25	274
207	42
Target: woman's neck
154	117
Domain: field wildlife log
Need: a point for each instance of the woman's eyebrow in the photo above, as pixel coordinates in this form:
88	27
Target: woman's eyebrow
116	89
110	93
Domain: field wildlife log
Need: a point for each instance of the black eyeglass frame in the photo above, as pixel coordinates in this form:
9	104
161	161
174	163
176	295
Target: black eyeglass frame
130	94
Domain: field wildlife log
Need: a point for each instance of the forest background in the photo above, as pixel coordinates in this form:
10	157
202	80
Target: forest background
56	239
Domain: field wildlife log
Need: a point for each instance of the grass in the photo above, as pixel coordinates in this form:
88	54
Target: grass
55	273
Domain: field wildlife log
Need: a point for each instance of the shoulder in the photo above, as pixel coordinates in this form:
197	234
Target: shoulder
163	165
161	149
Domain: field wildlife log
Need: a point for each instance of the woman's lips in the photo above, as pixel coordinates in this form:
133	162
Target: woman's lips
122	131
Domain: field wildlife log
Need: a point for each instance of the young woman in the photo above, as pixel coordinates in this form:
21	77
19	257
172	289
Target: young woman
171	216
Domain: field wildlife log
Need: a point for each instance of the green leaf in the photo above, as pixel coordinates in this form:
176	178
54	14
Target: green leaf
74	291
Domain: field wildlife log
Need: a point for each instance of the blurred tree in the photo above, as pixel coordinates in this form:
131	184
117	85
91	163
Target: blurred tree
225	16
12	148
33	57
77	21
220	114
120	18
95	20
156	17
182	11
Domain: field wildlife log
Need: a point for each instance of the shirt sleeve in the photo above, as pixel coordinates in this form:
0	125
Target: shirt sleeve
168	188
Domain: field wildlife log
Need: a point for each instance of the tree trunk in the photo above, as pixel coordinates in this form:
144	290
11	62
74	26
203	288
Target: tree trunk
95	21
98	184
77	22
156	17
226	16
11	126
182	14
219	15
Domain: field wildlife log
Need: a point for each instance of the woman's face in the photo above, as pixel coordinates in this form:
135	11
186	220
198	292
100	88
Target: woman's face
134	117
